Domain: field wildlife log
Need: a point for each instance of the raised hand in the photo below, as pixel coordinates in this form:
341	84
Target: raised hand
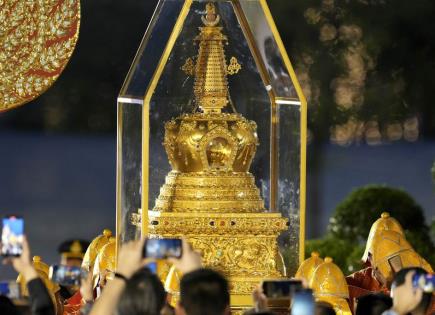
189	261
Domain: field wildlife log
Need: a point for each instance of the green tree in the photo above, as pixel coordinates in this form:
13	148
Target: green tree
354	216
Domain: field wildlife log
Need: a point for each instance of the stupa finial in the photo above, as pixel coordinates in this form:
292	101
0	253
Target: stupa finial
211	69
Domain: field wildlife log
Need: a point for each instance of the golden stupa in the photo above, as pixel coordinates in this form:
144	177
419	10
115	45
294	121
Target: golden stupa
209	196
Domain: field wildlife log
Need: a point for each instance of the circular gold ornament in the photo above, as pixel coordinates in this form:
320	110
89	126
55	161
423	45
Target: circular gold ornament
37	39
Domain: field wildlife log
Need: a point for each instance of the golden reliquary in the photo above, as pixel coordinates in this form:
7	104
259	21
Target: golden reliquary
214	147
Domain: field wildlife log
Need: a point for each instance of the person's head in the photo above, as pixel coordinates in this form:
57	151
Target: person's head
143	295
373	304
406	297
324	308
203	292
72	252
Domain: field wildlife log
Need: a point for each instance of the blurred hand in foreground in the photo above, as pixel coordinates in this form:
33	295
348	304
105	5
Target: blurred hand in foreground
189	261
260	299
130	258
86	290
23	264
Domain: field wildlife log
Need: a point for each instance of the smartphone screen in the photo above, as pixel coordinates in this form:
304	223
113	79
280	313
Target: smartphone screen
424	282
67	275
162	248
12	236
277	289
303	302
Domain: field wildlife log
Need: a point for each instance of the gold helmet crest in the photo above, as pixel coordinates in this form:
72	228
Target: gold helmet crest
329	285
384	223
94	248
306	269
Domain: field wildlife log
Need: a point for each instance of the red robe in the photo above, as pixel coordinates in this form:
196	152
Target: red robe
73	304
363	282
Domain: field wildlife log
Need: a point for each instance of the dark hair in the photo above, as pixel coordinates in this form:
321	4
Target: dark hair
324	308
204	292
373	304
399	279
143	295
7	307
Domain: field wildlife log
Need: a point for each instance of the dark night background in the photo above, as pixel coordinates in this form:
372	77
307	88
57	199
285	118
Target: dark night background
367	68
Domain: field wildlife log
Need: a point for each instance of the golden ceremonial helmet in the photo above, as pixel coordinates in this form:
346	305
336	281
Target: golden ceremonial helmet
94	248
391	250
43	271
105	263
329	285
384	223
306	269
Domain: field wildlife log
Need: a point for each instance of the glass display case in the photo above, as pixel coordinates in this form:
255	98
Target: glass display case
212	139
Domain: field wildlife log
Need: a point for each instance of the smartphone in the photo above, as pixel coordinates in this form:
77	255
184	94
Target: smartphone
303	302
278	289
162	248
67	275
12	236
424	282
11	289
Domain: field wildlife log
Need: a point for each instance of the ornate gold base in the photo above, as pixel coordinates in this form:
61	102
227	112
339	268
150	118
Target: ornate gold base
240	245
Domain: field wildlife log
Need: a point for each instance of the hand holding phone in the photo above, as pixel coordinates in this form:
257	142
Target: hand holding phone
424	282
190	259
67	275
303	302
162	248
12	236
130	257
281	289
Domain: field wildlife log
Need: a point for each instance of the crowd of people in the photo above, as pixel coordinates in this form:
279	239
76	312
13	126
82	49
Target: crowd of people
132	286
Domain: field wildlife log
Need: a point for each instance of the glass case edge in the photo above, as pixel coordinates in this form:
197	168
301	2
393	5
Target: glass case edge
145	115
137	55
303	140
118	178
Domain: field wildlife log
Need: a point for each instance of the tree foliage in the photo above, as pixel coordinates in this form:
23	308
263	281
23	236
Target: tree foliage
363	65
354	216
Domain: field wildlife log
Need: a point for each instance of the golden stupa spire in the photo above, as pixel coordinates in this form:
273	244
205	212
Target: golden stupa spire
211	69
